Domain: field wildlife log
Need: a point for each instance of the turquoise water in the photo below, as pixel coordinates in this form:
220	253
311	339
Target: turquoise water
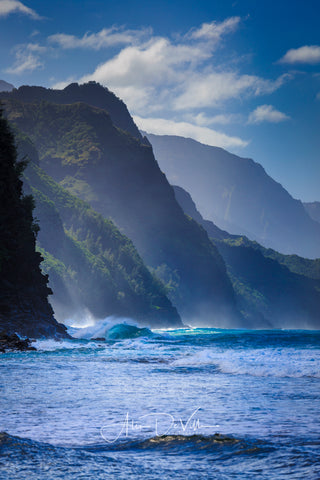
193	403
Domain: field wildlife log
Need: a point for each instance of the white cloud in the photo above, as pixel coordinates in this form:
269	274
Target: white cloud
215	30
161	126
210	89
174	75
267	113
24	63
149	73
107	37
147	65
147	76
27	58
14	6
307	54
222	119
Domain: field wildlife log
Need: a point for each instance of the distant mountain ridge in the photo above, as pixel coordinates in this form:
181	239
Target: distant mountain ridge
237	195
5	86
273	290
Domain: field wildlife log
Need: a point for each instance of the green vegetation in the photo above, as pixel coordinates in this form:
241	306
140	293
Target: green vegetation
271	289
90	93
266	285
90	263
302	266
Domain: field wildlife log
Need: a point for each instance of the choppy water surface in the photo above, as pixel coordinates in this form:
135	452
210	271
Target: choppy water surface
193	403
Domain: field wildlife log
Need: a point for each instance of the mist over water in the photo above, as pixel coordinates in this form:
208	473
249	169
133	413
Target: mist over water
193	402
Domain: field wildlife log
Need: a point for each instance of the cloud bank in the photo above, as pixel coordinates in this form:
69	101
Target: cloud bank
156	74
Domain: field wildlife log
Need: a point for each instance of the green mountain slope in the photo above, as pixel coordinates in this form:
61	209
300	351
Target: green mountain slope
91	265
91	93
117	174
272	289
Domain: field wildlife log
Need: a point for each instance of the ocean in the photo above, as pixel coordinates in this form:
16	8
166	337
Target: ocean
184	404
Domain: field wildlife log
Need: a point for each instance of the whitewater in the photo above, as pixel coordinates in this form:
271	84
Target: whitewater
190	403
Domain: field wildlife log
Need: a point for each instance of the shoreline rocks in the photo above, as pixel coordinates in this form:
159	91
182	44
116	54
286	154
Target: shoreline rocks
11	342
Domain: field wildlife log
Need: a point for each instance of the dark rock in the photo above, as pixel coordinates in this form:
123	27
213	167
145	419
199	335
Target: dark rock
13	342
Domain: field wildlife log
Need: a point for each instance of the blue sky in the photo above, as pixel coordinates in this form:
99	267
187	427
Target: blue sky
243	75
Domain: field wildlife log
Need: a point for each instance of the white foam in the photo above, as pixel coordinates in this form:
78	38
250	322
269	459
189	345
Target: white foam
51	345
282	362
202	357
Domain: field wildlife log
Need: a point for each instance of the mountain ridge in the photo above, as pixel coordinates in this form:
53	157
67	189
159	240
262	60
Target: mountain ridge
237	195
273	290
91	93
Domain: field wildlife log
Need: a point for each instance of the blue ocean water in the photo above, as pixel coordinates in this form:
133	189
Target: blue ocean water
188	403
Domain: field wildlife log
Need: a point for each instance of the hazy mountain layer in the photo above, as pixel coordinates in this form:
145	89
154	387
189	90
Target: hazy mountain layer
5	86
80	147
237	195
273	290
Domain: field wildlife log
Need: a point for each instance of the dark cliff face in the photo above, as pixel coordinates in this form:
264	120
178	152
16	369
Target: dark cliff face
91	93
273	290
117	174
237	195
24	307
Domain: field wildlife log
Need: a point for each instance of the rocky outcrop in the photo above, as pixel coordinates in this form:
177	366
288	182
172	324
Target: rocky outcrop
14	342
24	306
27	314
